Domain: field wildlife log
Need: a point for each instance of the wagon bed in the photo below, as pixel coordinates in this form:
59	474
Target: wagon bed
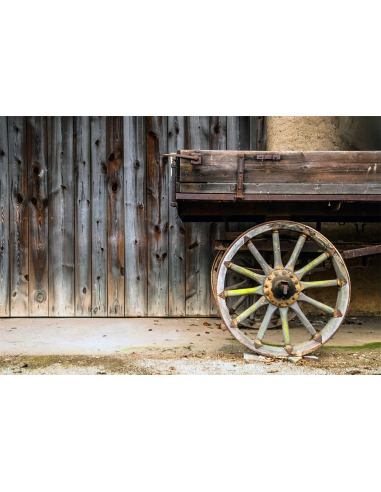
275	259
213	185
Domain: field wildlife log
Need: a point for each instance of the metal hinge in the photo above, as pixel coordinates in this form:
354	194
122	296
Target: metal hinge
240	168
268	157
194	158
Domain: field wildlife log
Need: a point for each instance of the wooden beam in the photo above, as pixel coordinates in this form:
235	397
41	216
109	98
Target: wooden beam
285	188
294	167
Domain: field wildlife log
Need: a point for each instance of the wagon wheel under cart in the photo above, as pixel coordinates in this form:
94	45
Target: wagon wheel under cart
275	321
282	288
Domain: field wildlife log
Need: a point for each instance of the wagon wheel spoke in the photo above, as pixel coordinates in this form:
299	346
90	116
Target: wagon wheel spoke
276	248
237	304
241	285
241	292
257	255
323	283
311	265
319	305
246	273
285	330
261	302
275	293
296	308
295	254
264	325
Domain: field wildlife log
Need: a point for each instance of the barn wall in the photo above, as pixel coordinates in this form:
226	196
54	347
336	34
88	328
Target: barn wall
86	226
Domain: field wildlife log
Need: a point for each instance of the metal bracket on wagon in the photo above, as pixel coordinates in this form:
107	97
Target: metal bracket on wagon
195	158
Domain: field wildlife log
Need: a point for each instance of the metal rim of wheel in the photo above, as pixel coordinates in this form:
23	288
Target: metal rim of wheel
282	288
274	323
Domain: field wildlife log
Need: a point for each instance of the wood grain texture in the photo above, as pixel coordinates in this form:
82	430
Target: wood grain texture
294	167
238	138
38	216
176	246
82	174
18	220
285	188
198	256
61	215
99	215
136	272
115	212
4	219
158	169
218	141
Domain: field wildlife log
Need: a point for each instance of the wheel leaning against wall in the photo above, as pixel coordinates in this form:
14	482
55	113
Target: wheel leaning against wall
282	288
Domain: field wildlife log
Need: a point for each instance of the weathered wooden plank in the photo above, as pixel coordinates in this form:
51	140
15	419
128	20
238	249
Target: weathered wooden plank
264	197
294	167
82	173
136	273
4	219
198	264
157	215
61	215
176	233
115	210
238	138
256	141
18	220
285	188
218	141
99	216
38	216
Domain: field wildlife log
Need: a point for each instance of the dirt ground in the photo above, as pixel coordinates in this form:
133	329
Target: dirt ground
164	346
363	360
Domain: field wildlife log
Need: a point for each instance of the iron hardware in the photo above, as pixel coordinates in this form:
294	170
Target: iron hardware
194	158
268	157
241	164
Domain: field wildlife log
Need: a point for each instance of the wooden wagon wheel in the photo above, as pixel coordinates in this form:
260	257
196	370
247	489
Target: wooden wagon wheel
275	321
282	288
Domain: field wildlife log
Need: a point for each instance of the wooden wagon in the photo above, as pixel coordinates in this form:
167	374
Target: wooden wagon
274	260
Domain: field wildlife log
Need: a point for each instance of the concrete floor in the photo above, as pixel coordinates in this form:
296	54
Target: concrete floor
75	336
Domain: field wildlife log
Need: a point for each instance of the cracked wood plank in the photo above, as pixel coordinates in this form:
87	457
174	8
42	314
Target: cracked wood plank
38	216
158	169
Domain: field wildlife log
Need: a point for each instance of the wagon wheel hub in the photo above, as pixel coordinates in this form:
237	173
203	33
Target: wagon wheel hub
281	288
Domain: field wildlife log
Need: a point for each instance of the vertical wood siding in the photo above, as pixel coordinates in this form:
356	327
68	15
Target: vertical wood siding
4	220
86	226
135	192
82	175
18	216
61	215
99	215
38	216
